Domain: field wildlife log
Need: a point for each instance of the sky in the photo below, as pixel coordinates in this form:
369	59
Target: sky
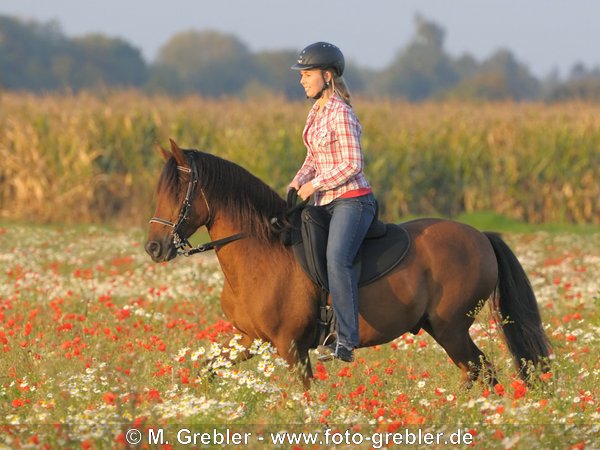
543	34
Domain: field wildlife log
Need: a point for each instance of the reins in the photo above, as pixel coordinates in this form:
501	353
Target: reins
292	207
212	245
183	245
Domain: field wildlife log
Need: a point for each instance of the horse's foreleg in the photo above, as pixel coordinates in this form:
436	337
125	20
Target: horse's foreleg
305	370
297	359
237	352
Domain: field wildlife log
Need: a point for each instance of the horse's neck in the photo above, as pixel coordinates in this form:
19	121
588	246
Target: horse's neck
222	227
245	257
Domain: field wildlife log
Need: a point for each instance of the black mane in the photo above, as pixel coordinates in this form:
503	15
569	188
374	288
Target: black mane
230	189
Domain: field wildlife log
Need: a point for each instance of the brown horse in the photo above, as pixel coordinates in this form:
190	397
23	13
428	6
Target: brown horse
449	269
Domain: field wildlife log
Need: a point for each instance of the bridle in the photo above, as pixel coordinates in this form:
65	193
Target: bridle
182	244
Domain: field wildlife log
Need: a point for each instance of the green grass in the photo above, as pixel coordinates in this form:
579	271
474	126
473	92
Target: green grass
492	221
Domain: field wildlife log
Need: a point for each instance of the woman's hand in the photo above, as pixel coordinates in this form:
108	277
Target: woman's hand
294	185
306	190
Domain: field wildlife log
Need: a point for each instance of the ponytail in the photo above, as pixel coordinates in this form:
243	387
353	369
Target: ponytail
339	87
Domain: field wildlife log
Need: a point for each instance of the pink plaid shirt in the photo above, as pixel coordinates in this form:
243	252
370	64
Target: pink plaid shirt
334	160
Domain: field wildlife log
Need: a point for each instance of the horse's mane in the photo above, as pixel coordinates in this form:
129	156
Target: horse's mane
232	190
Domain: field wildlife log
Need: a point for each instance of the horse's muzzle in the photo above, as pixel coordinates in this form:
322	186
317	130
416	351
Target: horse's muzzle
160	252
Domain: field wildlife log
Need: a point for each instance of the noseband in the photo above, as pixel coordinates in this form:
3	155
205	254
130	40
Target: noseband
182	244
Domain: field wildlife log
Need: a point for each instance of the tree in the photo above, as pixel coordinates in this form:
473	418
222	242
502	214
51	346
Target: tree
208	62
501	77
422	69
582	84
105	61
39	57
275	73
27	51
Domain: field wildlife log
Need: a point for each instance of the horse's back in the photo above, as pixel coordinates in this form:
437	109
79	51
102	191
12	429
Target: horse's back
449	245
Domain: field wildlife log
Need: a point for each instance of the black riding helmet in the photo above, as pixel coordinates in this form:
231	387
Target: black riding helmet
321	55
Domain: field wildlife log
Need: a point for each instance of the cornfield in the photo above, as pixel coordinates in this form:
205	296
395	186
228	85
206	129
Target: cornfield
93	159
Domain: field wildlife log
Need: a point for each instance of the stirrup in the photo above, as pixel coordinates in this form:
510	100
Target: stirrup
326	350
335	351
332	334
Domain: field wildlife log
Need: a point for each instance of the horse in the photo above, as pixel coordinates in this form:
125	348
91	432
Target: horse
448	271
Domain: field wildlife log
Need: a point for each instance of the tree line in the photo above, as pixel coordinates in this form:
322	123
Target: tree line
38	57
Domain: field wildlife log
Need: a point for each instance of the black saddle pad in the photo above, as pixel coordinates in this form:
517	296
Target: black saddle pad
380	255
377	257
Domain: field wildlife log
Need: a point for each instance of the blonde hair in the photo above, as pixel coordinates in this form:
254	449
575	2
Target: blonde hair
338	85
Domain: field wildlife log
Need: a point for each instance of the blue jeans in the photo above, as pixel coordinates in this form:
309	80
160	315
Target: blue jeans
350	221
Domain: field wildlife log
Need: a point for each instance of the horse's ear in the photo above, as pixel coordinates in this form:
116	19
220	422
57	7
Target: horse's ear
164	152
178	154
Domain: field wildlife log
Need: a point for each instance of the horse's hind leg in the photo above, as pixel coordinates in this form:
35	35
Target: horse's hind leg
482	368
464	353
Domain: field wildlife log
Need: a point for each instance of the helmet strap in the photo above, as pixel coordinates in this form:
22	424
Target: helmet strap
326	85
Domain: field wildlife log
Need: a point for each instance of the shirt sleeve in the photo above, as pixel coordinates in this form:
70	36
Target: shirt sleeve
307	171
348	152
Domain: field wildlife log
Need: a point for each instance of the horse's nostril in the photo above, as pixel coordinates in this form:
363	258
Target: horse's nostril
153	248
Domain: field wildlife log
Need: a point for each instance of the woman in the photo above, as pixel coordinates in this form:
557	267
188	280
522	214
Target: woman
333	172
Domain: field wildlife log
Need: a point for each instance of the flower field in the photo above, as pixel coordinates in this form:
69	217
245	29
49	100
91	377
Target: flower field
96	340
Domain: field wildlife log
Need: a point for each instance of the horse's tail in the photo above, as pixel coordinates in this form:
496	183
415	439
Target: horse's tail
521	321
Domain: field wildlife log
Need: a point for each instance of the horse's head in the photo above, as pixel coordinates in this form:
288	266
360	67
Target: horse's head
181	206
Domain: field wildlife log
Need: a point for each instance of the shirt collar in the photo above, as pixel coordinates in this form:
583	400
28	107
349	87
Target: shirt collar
333	99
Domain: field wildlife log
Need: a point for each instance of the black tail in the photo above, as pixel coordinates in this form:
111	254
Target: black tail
521	321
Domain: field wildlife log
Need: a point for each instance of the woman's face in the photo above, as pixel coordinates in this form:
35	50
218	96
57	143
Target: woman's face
312	81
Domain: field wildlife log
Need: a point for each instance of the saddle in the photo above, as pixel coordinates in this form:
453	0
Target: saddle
307	230
385	245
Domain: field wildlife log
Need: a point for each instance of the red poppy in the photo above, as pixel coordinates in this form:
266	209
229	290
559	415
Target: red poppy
519	389
321	372
110	398
154	396
345	372
499	389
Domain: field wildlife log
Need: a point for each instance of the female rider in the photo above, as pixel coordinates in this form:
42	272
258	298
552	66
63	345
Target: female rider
333	172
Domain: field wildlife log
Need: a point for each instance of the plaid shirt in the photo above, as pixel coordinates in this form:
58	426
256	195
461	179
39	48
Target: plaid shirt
334	160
